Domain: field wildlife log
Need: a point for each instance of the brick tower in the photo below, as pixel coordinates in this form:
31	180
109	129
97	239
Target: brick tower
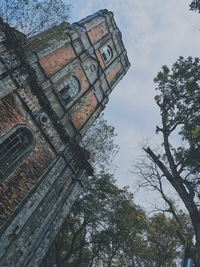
52	87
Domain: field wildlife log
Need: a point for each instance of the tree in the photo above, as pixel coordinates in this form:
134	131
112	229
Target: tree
99	223
106	228
33	16
151	178
195	5
164	243
99	141
179	103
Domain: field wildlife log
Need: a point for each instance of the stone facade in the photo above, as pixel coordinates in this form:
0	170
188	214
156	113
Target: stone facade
52	87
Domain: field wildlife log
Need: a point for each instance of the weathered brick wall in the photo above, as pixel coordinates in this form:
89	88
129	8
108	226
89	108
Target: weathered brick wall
29	235
12	73
14	188
38	194
114	73
98	32
84	108
57	59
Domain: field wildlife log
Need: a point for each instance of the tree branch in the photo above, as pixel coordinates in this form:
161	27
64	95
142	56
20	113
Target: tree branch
180	189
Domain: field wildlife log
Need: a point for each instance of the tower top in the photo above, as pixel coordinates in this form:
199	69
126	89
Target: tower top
78	66
52	87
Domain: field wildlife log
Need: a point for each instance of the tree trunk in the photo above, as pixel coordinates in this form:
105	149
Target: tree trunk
177	183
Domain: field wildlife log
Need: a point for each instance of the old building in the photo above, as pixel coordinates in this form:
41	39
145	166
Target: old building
52	87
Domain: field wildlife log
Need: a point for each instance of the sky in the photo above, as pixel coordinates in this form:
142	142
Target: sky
155	33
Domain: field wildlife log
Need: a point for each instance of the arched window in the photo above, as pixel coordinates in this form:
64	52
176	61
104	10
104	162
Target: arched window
107	53
14	147
69	88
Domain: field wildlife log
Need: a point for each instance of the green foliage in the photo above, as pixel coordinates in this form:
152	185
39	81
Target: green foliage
99	141
179	102
196	132
33	16
106	228
178	98
163	238
195	5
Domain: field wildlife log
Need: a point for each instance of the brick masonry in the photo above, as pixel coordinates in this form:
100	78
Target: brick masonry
37	194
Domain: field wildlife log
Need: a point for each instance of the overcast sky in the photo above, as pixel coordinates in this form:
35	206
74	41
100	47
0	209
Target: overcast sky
155	33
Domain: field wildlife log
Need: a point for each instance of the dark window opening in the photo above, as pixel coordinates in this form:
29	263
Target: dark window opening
64	93
14	147
69	89
106	53
104	56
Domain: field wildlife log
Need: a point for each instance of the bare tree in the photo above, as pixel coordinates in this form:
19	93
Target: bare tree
151	178
33	16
